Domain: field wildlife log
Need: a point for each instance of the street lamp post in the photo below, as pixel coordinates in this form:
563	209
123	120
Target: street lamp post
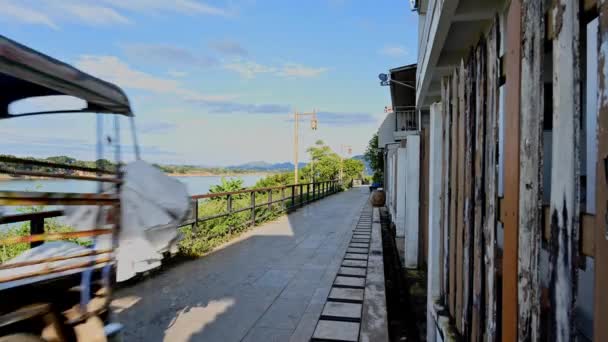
313	125
343	148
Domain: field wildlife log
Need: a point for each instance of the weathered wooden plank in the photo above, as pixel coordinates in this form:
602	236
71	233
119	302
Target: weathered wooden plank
460	200
587	237
600	328
491	183
444	214
453	190
423	251
468	185
479	193
565	173
510	209
530	166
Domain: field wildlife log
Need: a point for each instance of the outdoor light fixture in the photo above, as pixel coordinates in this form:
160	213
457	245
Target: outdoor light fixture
385	80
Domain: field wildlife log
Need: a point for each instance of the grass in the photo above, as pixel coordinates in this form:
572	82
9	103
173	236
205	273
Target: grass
51	225
204	237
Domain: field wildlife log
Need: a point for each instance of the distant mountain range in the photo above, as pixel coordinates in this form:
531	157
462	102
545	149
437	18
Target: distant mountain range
287	166
265	166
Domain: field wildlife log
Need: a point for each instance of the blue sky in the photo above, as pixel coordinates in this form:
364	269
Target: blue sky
213	82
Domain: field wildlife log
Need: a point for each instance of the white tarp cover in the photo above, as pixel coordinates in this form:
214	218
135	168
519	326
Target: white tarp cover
152	206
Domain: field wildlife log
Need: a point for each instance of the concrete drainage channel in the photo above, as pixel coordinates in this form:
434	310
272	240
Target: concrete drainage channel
355	309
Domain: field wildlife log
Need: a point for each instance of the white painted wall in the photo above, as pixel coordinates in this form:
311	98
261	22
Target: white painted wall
386	130
412	201
390	177
400	191
388	180
435	209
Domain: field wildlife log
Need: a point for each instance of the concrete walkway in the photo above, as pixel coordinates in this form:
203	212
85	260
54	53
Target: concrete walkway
268	285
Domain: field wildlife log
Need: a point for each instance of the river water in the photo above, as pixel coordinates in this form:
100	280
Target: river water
196	185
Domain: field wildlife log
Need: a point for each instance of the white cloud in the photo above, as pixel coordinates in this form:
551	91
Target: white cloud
163	54
112	69
181	6
298	70
177	73
249	69
97	12
229	48
12	11
95	15
394	51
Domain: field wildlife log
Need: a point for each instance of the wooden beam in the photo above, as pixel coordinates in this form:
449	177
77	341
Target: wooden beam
478	249
445	192
468	183
530	168
423	215
565	174
491	183
453	190
460	201
587	236
600	328
510	207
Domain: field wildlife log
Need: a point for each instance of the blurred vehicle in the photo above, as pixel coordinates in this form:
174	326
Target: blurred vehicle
60	289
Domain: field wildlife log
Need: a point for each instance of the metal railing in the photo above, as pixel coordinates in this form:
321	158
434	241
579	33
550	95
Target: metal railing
407	119
290	197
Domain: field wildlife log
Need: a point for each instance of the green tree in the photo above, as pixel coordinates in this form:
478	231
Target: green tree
374	157
324	164
353	169
228	185
279	179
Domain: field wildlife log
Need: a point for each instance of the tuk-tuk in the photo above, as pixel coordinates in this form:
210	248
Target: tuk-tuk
63	297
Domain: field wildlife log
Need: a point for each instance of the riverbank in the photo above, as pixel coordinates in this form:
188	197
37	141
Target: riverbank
211	174
5	177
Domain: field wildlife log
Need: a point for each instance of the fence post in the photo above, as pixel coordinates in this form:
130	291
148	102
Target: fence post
269	201
195	209
301	195
307	193
283	198
253	208
229	207
36	227
293	196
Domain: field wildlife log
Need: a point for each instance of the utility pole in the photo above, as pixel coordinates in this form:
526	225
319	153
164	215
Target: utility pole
296	128
343	148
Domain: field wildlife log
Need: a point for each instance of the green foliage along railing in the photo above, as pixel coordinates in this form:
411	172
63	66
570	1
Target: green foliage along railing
219	215
30	221
215	217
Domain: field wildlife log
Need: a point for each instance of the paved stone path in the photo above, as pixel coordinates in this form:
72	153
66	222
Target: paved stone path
270	284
